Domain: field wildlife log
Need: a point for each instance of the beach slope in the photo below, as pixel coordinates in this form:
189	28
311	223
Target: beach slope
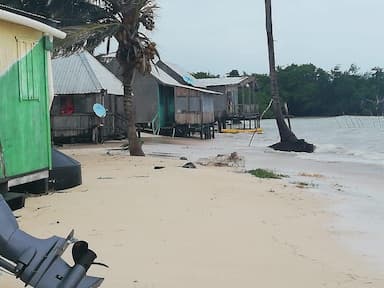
206	227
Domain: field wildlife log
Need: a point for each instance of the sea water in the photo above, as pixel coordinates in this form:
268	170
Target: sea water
349	155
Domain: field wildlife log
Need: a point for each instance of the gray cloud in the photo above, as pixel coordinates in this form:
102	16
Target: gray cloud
221	35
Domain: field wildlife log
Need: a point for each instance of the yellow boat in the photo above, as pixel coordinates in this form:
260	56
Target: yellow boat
235	131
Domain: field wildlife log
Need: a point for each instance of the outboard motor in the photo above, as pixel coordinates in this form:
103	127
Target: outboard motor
38	262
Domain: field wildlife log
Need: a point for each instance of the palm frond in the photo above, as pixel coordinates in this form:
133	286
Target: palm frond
79	12
86	37
121	19
12	3
112	4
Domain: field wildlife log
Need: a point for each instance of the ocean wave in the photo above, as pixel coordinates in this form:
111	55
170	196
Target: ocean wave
335	153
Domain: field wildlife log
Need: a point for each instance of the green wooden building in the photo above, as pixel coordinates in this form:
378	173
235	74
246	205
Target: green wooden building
25	97
168	102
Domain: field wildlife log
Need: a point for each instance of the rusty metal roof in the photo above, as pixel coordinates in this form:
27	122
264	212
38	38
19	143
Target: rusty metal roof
81	73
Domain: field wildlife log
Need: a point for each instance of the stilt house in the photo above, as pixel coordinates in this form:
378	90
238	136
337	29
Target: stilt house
80	81
168	102
238	99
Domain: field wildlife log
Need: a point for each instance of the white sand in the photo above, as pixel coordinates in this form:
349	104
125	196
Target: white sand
189	228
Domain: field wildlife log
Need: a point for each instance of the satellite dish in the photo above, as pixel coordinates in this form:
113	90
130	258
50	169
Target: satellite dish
99	110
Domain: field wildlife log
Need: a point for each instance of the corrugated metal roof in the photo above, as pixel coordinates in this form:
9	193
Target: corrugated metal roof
166	79
163	77
223	81
203	83
201	90
81	73
185	75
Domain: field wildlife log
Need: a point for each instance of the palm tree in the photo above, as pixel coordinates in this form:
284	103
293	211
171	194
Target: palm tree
121	19
94	21
135	52
288	140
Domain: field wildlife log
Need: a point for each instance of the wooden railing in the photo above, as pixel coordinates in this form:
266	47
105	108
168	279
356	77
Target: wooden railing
156	124
82	124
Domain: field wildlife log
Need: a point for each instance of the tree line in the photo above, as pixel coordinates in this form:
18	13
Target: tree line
312	91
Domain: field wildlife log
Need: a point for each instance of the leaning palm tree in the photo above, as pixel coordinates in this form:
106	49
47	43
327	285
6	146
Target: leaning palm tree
288	140
90	23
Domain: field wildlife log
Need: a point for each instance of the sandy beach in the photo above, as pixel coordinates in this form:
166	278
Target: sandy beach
205	227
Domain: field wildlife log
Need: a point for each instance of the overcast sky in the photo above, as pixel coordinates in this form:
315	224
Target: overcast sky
221	35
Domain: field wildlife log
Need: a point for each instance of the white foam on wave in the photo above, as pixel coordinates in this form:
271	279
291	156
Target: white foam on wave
335	153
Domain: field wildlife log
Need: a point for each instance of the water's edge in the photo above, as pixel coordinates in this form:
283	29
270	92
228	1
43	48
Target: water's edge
349	156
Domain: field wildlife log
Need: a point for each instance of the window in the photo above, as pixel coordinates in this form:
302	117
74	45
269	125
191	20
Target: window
31	70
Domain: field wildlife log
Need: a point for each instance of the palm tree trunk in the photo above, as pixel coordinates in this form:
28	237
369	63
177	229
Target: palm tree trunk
288	140
285	133
135	148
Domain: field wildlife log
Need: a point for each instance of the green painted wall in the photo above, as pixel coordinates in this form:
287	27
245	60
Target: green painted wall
24	115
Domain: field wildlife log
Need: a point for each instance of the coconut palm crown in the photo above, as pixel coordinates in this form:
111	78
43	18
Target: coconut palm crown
121	19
